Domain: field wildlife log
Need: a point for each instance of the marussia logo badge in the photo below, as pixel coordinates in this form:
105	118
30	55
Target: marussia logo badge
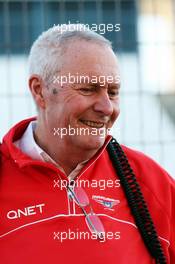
108	203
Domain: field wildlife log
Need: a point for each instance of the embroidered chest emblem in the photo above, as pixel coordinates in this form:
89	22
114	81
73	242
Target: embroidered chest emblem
108	203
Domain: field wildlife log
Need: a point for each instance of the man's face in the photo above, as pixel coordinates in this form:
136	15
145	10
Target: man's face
87	107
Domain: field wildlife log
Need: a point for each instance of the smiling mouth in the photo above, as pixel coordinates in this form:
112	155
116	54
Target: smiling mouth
92	123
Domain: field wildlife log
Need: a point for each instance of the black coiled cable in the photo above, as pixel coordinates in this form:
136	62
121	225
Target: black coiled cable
136	201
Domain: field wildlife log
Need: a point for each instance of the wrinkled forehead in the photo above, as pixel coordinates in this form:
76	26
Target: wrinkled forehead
88	58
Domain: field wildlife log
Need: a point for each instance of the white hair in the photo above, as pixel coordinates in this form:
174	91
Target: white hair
47	51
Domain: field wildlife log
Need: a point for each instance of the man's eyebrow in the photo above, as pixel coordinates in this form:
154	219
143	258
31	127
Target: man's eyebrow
98	85
114	86
89	84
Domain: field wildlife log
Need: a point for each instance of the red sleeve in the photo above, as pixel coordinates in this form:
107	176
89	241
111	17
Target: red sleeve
172	241
159	190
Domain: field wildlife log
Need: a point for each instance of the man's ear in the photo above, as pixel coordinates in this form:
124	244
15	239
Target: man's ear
36	86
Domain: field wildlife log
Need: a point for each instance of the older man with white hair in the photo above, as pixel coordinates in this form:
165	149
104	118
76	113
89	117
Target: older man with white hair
68	191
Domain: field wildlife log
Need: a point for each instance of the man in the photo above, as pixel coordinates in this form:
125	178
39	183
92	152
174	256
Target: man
61	198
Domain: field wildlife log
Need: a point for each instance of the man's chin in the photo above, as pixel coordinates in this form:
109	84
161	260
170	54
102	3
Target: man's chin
90	142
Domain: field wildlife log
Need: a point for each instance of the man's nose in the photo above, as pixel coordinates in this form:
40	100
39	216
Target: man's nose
103	104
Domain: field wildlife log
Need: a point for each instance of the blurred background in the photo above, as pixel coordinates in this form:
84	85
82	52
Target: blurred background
145	46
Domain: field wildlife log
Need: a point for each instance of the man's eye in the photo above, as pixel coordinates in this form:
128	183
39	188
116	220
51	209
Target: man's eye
113	94
86	91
